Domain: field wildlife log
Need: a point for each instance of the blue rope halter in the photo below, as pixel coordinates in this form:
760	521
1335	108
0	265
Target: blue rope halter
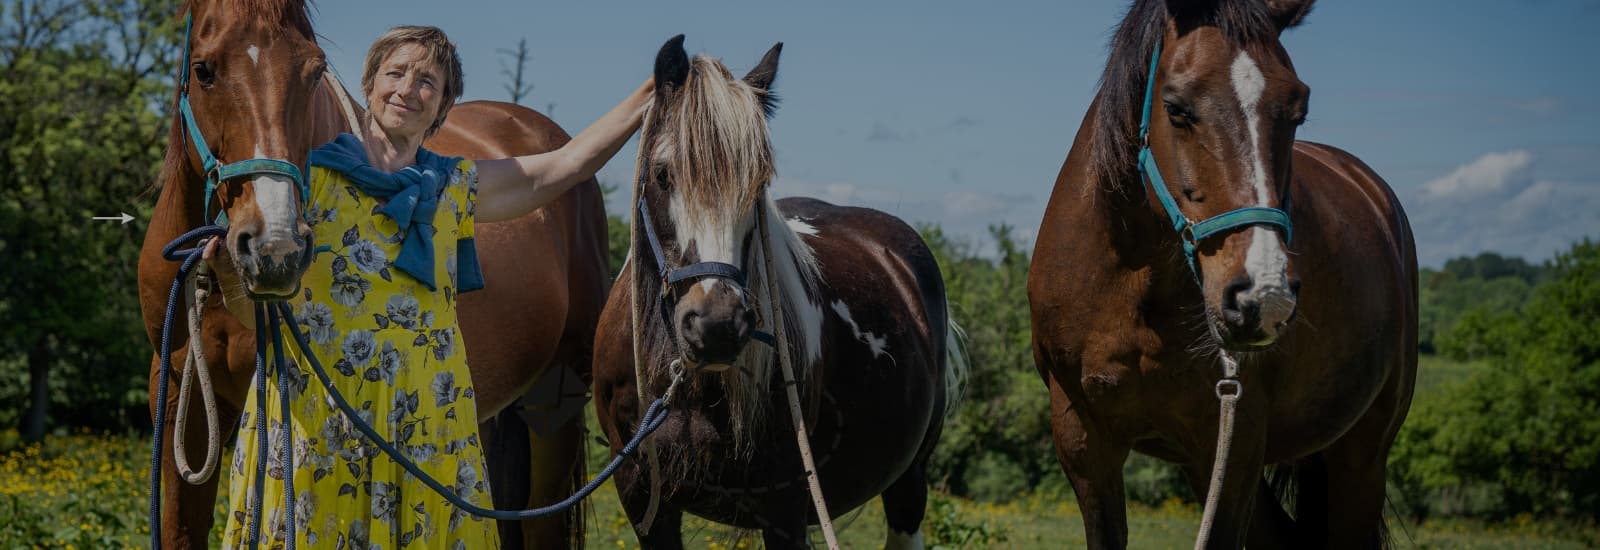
1191	232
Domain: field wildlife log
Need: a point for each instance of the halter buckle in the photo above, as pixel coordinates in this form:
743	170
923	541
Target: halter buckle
1229	388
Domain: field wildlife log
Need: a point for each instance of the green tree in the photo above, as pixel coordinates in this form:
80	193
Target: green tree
83	88
977	456
1522	435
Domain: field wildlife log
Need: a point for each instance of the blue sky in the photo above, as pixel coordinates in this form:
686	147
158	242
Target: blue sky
961	113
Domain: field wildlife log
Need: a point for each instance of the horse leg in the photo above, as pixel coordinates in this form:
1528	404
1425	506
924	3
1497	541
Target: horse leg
187	510
905	503
558	472
505	449
1241	481
1093	463
1344	503
785	517
1270	525
633	486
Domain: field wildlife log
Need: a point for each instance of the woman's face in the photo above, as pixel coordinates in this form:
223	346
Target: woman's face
406	92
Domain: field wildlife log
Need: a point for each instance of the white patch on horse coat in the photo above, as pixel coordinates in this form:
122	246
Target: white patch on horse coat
708	284
1265	260
275	198
903	541
800	226
255	54
878	344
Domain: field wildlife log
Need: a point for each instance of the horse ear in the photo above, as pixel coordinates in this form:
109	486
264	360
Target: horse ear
672	65
766	71
1288	14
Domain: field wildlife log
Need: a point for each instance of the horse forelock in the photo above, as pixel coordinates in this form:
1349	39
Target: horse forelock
1122	84
280	14
713	143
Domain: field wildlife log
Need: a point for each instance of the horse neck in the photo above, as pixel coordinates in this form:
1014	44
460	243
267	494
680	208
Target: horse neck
1118	201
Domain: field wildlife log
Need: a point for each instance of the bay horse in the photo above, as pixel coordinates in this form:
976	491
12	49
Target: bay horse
862	300
258	89
1129	329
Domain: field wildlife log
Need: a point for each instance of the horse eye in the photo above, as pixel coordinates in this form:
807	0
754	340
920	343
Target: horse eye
1179	115
203	74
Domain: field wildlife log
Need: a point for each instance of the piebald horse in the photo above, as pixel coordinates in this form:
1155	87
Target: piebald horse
258	87
1129	330
863	313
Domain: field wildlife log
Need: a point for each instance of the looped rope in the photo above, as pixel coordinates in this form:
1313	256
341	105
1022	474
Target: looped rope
196	368
1228	391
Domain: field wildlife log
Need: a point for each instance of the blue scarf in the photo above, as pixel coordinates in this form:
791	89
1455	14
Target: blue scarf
413	195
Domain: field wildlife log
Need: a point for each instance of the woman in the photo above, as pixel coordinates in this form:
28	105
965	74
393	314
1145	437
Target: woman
379	307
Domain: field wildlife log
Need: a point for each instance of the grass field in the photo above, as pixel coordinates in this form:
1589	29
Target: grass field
88	491
81	490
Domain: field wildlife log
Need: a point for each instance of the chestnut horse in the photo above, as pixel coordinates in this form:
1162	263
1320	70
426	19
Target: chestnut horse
1129	328
257	85
862	310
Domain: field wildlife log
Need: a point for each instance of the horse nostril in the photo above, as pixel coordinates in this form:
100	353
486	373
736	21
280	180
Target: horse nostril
1230	294
242	248
689	324
1294	287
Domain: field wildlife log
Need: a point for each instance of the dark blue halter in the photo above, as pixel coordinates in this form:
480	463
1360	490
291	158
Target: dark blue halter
672	276
217	171
1190	232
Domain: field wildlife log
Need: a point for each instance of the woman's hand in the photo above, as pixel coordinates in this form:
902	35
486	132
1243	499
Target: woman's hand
233	296
509	188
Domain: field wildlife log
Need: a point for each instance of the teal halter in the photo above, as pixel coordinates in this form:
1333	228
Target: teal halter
1191	233
216	170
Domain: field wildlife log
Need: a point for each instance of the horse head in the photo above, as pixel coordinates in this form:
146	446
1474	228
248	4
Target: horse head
252	68
1222	106
706	162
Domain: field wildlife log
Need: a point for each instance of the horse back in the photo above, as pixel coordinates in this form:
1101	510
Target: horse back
884	313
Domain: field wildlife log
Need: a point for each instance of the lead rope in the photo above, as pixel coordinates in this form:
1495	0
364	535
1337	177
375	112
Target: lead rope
802	437
197	368
1228	391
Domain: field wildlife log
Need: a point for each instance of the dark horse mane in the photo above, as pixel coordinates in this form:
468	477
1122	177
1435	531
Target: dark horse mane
290	15
1121	95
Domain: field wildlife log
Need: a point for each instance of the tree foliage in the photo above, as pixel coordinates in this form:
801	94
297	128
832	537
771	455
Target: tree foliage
1523	434
1487	282
83	89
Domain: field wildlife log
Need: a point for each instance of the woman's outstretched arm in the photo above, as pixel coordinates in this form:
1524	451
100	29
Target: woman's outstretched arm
508	188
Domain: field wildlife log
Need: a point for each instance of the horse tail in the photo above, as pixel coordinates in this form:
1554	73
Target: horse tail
579	515
957	366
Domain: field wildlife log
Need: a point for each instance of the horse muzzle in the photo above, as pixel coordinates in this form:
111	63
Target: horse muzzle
1255	316
713	327
271	265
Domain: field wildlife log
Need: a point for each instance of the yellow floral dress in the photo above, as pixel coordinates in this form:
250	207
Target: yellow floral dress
392	347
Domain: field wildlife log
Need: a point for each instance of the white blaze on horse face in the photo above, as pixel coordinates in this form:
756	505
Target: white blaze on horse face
1265	260
903	541
275	197
255	54
710	242
878	344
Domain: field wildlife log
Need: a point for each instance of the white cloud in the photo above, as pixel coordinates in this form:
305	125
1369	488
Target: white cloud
1490	173
1495	203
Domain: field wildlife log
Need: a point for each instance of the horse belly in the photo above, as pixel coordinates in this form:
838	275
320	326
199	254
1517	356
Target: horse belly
512	327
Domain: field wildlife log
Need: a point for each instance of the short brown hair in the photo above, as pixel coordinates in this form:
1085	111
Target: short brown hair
441	52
